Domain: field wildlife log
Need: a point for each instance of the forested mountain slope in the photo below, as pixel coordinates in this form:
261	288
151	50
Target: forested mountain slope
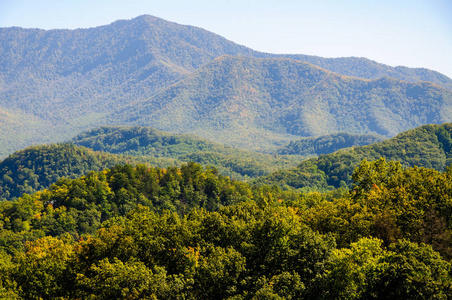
328	143
259	103
37	167
428	146
56	83
149	142
365	68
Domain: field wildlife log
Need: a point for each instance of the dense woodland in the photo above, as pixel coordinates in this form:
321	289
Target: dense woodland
36	168
190	233
427	146
124	212
325	144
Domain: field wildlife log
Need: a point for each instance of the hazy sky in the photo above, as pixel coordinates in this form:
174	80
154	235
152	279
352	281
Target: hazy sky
414	33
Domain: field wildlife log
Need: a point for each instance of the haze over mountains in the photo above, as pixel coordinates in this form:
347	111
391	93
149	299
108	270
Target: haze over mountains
147	71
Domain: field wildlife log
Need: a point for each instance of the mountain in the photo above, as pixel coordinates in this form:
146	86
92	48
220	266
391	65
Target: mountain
149	142
69	79
259	103
365	68
428	146
313	146
56	83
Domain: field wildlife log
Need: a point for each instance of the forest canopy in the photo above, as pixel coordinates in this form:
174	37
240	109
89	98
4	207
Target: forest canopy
190	233
427	146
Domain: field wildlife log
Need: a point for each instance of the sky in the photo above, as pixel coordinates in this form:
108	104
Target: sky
413	33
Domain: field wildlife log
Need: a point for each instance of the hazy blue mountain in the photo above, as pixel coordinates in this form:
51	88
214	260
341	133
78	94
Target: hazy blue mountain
56	83
259	103
60	81
369	69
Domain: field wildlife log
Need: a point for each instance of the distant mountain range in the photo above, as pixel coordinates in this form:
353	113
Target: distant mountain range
148	71
256	103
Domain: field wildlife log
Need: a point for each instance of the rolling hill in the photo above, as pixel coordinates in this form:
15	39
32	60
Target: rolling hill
428	146
56	83
147	142
36	168
313	146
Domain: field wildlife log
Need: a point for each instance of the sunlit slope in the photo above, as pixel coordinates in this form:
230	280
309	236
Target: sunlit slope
260	103
428	146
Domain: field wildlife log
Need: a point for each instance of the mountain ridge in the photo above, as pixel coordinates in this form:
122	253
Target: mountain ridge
282	99
66	81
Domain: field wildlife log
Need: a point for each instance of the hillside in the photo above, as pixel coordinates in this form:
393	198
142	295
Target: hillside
56	83
37	167
189	233
149	142
70	78
313	146
428	146
260	103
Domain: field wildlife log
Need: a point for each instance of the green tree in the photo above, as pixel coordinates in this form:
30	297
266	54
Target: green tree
42	271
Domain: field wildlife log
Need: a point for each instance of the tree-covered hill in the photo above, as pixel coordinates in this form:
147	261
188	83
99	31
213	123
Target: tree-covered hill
149	142
56	83
428	146
260	103
37	167
139	233
139	140
313	146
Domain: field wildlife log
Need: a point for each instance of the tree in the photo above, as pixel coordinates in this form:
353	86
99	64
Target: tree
42	271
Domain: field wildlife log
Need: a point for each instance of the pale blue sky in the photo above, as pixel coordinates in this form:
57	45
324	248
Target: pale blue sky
414	33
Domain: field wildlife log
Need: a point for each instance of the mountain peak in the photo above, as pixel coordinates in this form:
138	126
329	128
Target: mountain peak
71	80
